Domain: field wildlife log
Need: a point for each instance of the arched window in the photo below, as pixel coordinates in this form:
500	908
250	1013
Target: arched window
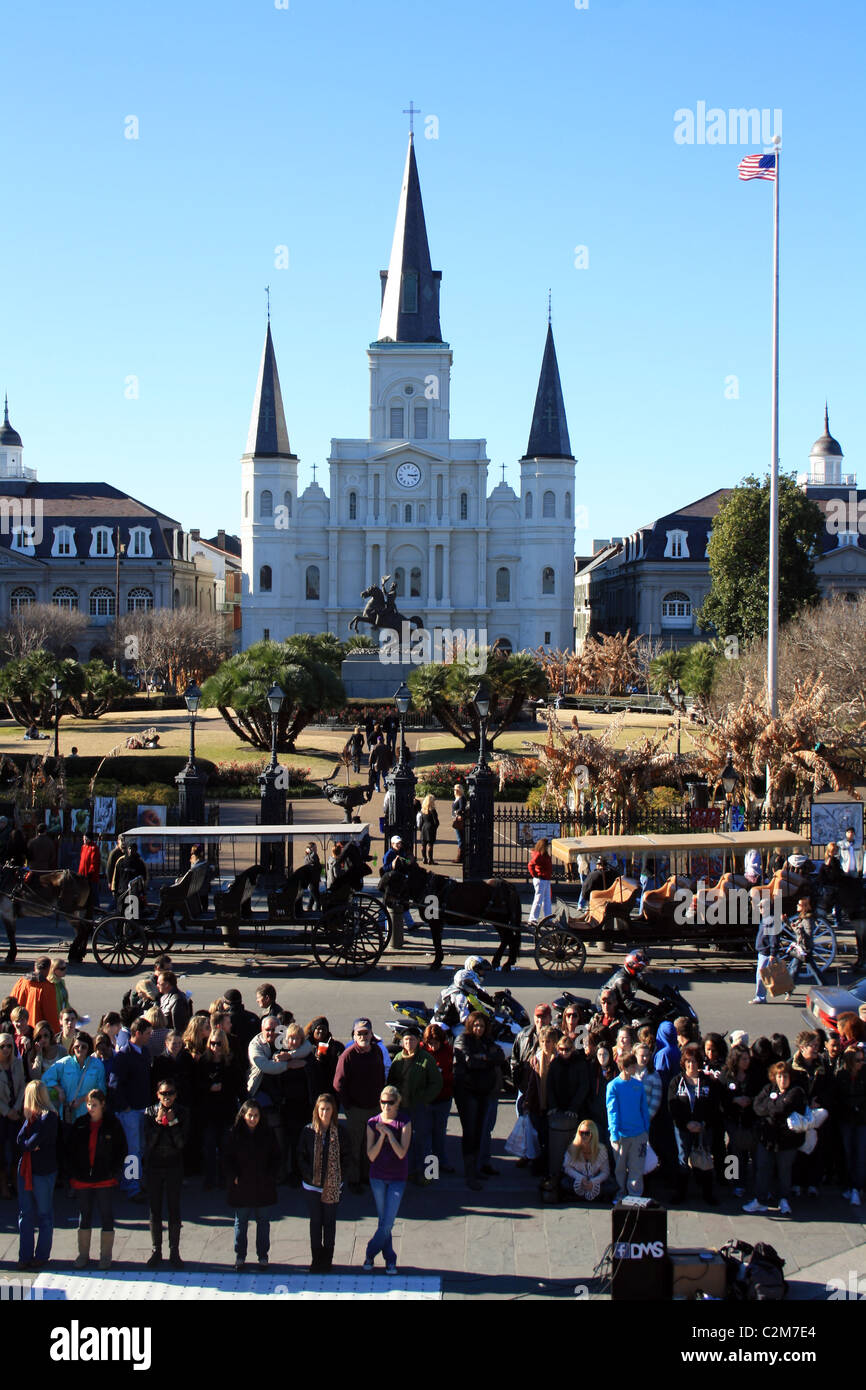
464	506
287	503
64	541
21	598
503	585
548	581
393	511
175	602
376	495
548	504
568	513
407	513
677	609
528	505
439	496
503	645
265	579
400	581
102	603
396	421
353	506
415	583
266	504
246	504
312	581
420	418
139	601
100	541
65	598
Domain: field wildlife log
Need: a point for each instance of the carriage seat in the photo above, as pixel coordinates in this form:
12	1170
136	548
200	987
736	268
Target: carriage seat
234	903
660	904
606	905
189	894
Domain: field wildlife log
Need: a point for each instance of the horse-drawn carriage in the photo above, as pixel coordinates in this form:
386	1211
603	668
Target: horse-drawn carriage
345	929
701	899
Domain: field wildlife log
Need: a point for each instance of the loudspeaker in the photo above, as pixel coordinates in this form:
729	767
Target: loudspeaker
639	1247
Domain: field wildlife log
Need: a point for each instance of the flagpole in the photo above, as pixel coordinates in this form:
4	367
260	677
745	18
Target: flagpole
773	602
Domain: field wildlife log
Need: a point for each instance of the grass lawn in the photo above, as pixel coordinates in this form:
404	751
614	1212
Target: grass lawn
318	748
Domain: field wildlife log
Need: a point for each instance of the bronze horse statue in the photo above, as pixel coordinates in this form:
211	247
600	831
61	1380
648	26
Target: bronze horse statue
380	610
447	902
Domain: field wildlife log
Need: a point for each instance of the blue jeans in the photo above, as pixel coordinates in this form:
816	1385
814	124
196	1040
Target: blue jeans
487	1131
36	1212
387	1196
133	1128
263	1231
760	987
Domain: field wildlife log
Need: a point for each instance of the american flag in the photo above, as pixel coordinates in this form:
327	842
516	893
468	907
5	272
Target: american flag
758	166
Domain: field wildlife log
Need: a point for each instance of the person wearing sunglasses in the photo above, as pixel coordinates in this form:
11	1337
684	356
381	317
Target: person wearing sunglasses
69	1079
37	1174
586	1166
389	1135
217	1093
166	1130
12	1084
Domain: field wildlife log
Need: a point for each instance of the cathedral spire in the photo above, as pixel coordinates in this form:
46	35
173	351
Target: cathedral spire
268	437
548	435
410	288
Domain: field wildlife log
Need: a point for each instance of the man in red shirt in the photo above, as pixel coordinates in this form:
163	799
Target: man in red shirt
88	867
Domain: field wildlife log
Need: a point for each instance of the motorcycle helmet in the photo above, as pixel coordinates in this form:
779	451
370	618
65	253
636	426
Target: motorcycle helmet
636	961
476	964
465	979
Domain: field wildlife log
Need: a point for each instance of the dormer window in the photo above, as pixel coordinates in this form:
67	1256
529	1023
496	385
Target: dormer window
707	550
677	547
23	539
101	542
139	541
64	541
846	538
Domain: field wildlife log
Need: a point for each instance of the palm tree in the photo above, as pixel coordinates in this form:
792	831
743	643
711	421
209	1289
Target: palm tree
239	691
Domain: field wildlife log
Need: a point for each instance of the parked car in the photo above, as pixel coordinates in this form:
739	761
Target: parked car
824	1004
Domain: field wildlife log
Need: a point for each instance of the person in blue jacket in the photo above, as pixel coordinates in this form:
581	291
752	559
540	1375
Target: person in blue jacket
628	1123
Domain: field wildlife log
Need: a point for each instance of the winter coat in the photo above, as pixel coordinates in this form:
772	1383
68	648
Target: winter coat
70	1083
175	1009
772	1108
524	1049
478	1065
216	1108
359	1078
39	1138
417	1078
540	865
429	826
597	1170
164	1144
568	1083
299	1081
849	1097
129	1079
814	1078
706	1109
266	1073
251	1159
110	1150
180	1070
444	1060
12	1083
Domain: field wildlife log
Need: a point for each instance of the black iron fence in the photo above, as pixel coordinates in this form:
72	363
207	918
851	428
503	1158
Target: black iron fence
515	831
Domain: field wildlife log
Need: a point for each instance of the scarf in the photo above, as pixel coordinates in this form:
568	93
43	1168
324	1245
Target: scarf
330	1184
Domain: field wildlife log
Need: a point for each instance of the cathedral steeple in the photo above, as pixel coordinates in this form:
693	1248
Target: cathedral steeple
268	437
410	288
548	435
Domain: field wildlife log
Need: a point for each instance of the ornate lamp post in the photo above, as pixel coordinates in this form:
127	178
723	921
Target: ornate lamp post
478	858
190	782
55	695
399	800
272	785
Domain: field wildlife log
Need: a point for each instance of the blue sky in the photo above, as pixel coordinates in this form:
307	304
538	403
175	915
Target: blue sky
262	127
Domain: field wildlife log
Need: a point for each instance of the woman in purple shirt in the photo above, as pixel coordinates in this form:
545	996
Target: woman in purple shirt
389	1135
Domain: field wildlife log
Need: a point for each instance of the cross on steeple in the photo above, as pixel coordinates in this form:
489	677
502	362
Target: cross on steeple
411	111
503	472
268	293
314	472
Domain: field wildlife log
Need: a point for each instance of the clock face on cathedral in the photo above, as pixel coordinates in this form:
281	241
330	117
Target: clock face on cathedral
408	475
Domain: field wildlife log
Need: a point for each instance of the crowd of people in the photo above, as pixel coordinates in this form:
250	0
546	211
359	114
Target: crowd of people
160	1093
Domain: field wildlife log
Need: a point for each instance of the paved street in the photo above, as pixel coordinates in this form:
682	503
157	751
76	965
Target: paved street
500	1243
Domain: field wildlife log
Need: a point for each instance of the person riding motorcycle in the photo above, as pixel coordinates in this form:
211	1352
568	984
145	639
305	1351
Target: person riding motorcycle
628	979
465	993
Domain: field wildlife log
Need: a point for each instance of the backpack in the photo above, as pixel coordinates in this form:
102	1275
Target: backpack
754	1272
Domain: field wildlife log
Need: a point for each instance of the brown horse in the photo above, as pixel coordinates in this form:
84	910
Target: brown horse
41	893
446	902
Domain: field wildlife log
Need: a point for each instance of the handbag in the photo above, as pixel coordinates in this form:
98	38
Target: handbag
457	822
777	978
522	1142
700	1156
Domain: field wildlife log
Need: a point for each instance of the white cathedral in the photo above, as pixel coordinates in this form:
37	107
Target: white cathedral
410	501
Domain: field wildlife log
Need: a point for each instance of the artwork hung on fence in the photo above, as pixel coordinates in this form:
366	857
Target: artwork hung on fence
830	820
104	814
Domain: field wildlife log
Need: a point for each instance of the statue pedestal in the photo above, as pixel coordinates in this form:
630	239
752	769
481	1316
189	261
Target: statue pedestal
366	677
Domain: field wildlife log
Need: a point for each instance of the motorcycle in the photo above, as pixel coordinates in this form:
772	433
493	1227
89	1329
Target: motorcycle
506	1020
665	1008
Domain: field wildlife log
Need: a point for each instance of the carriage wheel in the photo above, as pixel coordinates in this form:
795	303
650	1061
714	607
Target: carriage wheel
558	952
349	939
119	945
823	942
160	937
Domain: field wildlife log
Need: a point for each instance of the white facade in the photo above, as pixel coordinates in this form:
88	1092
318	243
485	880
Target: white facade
408	501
